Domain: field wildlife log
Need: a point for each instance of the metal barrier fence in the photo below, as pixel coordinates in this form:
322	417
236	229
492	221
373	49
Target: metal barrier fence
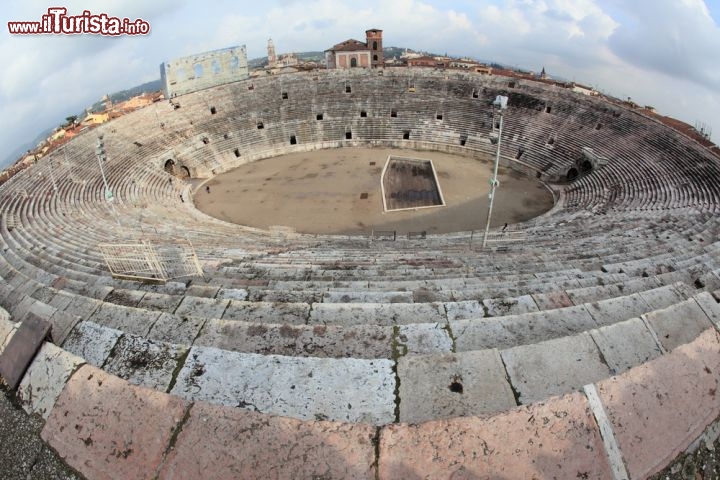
146	262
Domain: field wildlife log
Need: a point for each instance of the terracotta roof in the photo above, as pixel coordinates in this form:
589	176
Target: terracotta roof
350	45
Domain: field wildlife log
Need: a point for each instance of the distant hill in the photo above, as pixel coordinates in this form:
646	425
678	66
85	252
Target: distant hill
22	149
391	52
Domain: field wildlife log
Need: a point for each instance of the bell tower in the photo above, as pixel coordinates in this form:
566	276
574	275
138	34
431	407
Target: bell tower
272	58
375	45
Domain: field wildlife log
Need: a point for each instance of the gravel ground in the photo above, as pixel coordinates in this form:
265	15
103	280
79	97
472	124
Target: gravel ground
23	454
703	464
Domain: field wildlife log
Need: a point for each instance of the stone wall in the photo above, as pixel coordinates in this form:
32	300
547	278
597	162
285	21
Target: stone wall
203	70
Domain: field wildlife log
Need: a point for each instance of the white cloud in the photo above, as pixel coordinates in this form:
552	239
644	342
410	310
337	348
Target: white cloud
678	38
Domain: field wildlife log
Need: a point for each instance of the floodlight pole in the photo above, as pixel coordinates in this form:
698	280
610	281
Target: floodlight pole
101	155
52	177
493	181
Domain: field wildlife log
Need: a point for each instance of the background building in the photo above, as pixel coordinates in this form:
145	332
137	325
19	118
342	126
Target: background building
354	53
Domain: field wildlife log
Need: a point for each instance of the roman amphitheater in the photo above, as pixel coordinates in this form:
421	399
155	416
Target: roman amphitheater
581	343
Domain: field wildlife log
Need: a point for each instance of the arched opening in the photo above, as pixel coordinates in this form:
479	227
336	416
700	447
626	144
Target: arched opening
353	62
216	66
198	70
586	166
184	172
234	62
572	174
170	166
375	45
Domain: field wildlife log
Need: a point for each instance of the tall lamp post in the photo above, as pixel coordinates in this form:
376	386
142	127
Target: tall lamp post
52	176
102	156
501	103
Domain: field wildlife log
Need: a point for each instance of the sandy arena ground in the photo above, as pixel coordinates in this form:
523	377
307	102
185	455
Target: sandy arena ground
319	192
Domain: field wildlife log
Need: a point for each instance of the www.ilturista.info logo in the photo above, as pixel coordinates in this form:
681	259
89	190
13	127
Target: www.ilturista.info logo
57	21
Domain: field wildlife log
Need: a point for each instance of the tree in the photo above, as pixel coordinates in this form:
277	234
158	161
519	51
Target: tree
70	120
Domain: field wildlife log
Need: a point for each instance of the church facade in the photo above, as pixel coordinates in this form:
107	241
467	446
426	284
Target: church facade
356	54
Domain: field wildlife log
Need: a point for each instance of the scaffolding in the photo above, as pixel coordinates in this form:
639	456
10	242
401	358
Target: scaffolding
145	262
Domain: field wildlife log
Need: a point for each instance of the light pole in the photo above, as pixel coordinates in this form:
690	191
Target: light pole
501	103
52	177
101	156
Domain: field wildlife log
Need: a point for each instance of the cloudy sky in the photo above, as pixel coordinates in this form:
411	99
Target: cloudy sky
659	52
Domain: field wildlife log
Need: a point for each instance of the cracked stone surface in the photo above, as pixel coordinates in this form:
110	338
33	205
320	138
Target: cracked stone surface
283	296
593	294
554	367
498	307
82	307
679	323
625	345
613	310
45	379
62	325
6	329
61	300
348	390
44	294
466	309
421	338
513	330
552	300
232	294
527	442
660	407
268	312
226	442
30	305
453	385
92	342
201	307
662	297
144	362
710	306
126	319
207	291
367	297
175	329
128	298
367	341
107	428
160	301
376	313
